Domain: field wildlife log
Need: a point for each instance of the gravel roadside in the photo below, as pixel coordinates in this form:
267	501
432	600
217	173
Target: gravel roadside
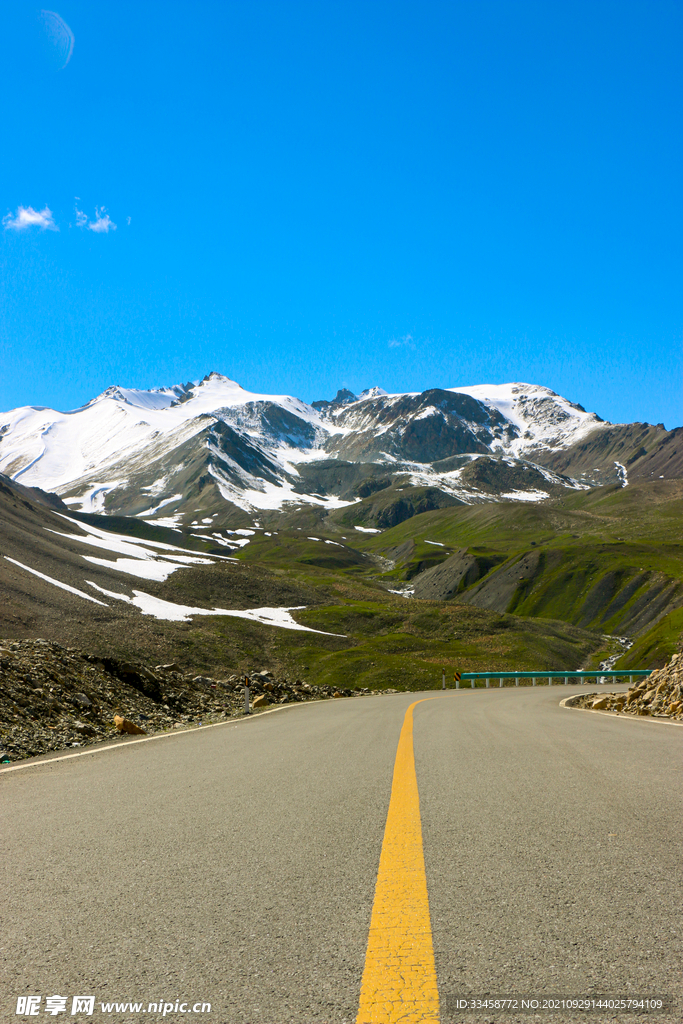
54	697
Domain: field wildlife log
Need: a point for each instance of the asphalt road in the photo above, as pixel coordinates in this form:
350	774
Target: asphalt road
237	865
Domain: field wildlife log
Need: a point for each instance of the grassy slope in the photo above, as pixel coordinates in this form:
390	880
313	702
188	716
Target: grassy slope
605	555
386	641
389	641
623	536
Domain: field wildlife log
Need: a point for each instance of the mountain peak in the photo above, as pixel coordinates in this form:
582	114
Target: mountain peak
219	378
343	397
154	398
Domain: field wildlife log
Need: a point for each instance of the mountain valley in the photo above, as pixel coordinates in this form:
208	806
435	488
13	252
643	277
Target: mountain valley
368	542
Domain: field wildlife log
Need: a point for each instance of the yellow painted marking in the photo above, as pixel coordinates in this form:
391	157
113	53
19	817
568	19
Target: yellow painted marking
399	979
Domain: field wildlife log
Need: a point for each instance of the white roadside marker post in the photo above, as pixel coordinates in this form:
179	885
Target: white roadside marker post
246	696
443	678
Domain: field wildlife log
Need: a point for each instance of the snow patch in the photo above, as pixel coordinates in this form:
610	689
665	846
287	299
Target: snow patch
525	495
162	504
623	475
169	522
170	612
143	569
56	583
405	592
92	501
268	495
138	557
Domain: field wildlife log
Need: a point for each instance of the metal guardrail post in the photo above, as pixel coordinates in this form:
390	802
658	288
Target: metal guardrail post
500	683
487	682
566	681
533	680
516	680
471	684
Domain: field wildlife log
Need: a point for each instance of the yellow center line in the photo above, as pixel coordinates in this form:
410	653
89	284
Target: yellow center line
399	979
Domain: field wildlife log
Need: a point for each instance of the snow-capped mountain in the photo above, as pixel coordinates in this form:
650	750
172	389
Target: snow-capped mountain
171	452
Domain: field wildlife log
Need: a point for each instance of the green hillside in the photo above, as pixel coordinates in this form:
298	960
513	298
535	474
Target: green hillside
608	560
496	586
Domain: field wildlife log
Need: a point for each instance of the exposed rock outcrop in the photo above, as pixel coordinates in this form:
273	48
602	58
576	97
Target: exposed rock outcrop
659	695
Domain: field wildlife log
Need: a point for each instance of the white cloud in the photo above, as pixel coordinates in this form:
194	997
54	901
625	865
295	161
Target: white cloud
102	224
27	217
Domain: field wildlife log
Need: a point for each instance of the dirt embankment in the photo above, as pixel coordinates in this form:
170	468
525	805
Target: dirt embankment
52	697
659	695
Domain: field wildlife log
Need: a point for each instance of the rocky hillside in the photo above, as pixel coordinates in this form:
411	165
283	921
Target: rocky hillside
53	697
660	695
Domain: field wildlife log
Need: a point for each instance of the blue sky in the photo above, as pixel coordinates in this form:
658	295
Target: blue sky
310	195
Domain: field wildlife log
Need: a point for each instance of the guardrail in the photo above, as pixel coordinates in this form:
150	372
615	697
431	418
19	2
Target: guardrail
576	677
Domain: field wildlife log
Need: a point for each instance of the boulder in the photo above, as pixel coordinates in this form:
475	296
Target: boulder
85	729
260	702
123	725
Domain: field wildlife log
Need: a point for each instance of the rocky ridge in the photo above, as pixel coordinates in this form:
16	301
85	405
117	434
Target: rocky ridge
53	697
659	695
169	453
